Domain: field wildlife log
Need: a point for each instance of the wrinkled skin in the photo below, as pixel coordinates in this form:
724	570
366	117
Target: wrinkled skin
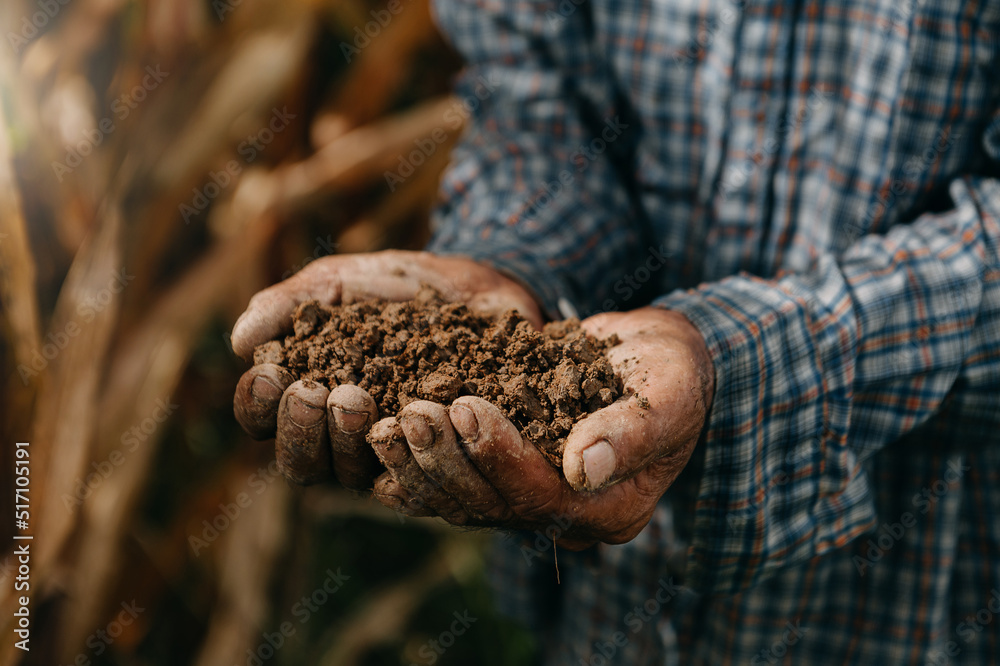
466	462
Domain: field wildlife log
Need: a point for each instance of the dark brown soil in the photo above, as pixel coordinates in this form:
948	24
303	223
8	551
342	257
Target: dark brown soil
426	349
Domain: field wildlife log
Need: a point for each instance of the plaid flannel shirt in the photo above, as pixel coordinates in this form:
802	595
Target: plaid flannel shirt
816	186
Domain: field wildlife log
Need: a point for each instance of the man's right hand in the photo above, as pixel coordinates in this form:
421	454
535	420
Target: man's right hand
320	433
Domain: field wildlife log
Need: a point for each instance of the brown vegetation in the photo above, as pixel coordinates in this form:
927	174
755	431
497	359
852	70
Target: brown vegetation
160	161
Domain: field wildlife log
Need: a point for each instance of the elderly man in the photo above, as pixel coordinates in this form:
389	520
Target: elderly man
790	215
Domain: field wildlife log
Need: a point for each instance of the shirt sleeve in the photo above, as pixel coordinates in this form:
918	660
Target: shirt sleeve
816	372
534	187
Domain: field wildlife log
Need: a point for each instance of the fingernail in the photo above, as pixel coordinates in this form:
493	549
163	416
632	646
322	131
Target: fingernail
418	432
349	423
412	507
390	501
265	390
303	414
598	464
386	439
465	422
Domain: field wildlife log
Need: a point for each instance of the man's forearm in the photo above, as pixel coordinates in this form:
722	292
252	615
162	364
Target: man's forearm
818	371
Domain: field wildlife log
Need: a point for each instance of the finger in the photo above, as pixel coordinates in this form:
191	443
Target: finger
433	444
359	286
346	279
269	313
536	491
603	324
387	439
350	415
394	496
495	302
609	444
258	393
395	275
622	439
530	485
455	278
406	281
301	443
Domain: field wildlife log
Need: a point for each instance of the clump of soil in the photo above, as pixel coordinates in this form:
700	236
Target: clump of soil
427	349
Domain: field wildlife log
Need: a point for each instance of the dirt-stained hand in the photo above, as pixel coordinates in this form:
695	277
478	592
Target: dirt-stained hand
469	464
320	433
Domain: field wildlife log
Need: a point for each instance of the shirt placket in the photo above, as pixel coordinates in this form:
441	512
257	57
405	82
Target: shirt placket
742	196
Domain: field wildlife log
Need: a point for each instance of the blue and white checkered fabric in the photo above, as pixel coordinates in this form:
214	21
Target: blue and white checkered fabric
816	186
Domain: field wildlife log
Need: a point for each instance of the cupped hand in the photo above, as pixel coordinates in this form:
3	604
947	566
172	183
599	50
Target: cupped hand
469	464
320	433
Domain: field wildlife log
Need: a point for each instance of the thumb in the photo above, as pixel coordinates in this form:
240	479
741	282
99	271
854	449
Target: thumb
269	313
661	415
613	443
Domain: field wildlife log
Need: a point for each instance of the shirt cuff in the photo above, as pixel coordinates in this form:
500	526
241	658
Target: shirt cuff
780	483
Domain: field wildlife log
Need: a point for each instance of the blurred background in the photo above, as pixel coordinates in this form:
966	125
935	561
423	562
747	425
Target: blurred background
160	161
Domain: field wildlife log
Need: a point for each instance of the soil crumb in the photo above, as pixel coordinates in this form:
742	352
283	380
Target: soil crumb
427	349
